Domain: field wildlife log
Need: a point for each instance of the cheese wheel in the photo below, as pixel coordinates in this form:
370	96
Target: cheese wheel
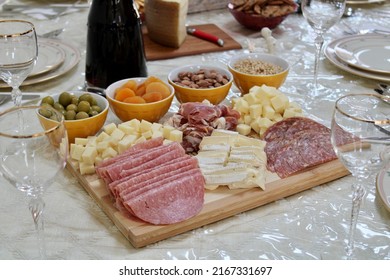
166	21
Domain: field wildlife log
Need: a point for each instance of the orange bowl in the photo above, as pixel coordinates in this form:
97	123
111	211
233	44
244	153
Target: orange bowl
84	127
185	94
151	112
244	82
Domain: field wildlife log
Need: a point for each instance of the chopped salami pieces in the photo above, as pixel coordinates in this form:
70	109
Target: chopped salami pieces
297	143
157	183
199	119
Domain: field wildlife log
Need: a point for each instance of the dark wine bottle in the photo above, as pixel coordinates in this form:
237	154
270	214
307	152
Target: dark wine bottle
115	47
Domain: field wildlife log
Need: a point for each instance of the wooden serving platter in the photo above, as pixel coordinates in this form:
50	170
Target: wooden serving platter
219	204
191	45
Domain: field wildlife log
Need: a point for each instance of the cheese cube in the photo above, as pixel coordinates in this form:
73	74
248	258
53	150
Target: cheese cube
280	102
167	131
251	98
147	134
176	135
91	141
255	110
247	119
89	155
270	91
81	141
127	129
86	168
145	126
133	123
109	153
268	112
243	129
157	134
140	140
76	151
264	122
101	146
156	126
289	113
242	106
109	128
103	135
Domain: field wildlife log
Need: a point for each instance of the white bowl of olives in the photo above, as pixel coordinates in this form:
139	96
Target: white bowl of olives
85	113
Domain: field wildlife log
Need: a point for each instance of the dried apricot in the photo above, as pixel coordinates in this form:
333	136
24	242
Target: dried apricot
123	93
151	79
135	99
152	96
131	84
158	87
140	90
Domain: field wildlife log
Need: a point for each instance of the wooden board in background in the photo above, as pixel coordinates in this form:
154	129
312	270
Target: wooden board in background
219	204
191	45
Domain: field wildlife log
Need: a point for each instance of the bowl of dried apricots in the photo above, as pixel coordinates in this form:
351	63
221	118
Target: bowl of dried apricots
142	98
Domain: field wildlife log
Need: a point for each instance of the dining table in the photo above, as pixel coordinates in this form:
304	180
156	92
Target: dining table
309	225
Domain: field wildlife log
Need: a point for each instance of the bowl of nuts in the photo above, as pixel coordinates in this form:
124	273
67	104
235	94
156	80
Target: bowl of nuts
257	69
195	83
84	113
258	14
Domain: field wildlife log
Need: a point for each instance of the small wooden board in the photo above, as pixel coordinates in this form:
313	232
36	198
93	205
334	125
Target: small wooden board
219	204
191	45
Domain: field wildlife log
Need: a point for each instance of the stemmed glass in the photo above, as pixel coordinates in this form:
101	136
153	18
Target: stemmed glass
19	51
32	151
321	16
360	136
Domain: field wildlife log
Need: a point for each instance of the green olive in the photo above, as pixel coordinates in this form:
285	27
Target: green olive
48	100
93	113
65	98
58	106
47	113
96	108
86	97
81	115
71	107
70	115
83	106
75	100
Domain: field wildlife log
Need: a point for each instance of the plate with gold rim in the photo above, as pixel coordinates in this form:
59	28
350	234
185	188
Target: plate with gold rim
383	187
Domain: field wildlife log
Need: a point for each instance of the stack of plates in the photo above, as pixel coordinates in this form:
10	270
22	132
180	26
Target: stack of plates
363	55
55	58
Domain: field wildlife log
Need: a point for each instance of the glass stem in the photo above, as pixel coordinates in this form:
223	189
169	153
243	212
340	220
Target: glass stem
357	196
16	95
319	41
36	207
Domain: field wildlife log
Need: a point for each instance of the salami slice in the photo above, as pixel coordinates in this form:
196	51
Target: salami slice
171	203
295	144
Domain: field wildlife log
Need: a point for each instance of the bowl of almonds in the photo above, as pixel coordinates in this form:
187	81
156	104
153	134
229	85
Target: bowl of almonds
257	14
195	83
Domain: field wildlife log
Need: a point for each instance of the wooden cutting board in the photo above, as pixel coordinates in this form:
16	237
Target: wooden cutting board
191	45
219	204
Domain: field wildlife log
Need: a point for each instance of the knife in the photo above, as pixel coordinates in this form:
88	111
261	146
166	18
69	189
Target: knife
205	36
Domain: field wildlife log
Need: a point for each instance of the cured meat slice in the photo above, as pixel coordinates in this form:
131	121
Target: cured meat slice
295	144
156	173
114	171
155	142
171	203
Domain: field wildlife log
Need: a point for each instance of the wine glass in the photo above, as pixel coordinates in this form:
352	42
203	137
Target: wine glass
19	51
321	16
32	151
360	136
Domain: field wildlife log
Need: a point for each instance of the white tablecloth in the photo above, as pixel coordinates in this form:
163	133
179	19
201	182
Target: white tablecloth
309	225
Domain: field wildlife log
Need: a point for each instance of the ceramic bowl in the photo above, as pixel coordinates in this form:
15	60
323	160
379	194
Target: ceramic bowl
244	82
83	128
186	94
151	112
255	21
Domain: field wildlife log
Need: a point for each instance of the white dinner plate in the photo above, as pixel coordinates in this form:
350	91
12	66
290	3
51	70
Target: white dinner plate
383	187
331	55
72	58
363	2
367	52
50	56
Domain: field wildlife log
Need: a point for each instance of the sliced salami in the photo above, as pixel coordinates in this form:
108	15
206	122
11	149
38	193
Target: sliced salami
171	203
295	144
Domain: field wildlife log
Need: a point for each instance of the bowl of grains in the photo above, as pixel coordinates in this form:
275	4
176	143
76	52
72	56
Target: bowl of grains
257	69
257	14
195	83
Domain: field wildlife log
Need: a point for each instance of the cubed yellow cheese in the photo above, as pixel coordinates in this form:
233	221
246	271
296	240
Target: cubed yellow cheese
147	134
242	106
157	134
81	141
167	131
76	151
109	128
243	129
127	129
86	168
176	135
109	153
268	112
140	140
145	126
89	155
156	126
102	136
133	123
279	103
251	98
255	110
101	146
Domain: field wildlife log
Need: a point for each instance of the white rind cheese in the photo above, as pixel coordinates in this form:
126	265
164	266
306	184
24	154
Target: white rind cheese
228	158
166	21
